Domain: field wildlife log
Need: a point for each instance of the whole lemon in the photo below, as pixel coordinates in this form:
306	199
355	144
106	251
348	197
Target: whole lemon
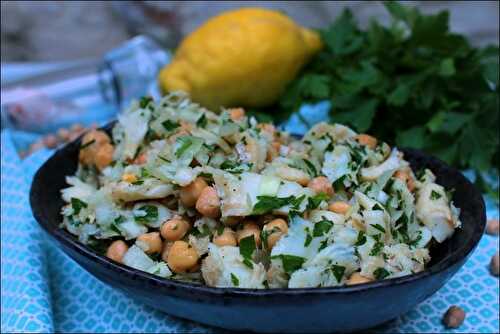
244	57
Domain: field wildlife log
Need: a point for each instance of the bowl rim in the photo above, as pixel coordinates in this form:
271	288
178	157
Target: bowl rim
68	240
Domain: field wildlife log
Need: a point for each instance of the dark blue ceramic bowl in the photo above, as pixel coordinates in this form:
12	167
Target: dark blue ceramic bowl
277	310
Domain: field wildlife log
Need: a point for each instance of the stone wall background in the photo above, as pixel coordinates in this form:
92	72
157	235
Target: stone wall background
64	30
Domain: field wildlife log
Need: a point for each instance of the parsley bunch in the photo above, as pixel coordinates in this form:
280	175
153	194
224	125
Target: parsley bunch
413	84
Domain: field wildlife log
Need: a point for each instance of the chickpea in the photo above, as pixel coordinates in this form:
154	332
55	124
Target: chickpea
104	156
190	193
208	204
249	229
366	140
236	114
273	151
174	229
153	242
182	257
117	250
405	177
231	221
50	141
141	159
492	227
227	238
339	207
166	248
267	127
321	184
495	265
454	317
357	278
92	142
276	229
130	178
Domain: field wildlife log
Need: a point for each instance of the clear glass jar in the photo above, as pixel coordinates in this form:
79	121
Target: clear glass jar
85	92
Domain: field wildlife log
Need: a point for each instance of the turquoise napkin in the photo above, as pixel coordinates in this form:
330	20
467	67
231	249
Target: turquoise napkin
43	290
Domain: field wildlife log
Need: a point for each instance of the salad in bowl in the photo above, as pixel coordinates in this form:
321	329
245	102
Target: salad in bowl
220	199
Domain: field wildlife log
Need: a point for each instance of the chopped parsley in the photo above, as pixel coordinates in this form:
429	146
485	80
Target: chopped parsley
77	205
231	167
247	247
170	125
311	169
315	201
338	184
377	247
323	245
150	216
291	263
145	100
338	272
138	182
185	144
269	203
322	227
309	237
381	273
235	280
202	121
435	195
361	239
378	227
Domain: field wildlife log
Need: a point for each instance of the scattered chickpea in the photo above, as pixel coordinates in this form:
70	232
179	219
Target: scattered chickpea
227	238
50	141
494	265
182	257
190	193
454	317
367	140
63	134
277	228
208	204
236	114
117	250
267	127
153	240
492	227
77	127
249	228
321	184
174	229
339	207
128	177
357	278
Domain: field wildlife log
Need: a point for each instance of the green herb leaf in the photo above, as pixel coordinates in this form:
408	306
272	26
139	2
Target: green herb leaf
315	201
338	272
378	227
170	125
247	247
380	273
235	280
151	214
185	144
322	227
361	239
291	263
269	203
435	195
202	121
309	237
144	101
77	205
